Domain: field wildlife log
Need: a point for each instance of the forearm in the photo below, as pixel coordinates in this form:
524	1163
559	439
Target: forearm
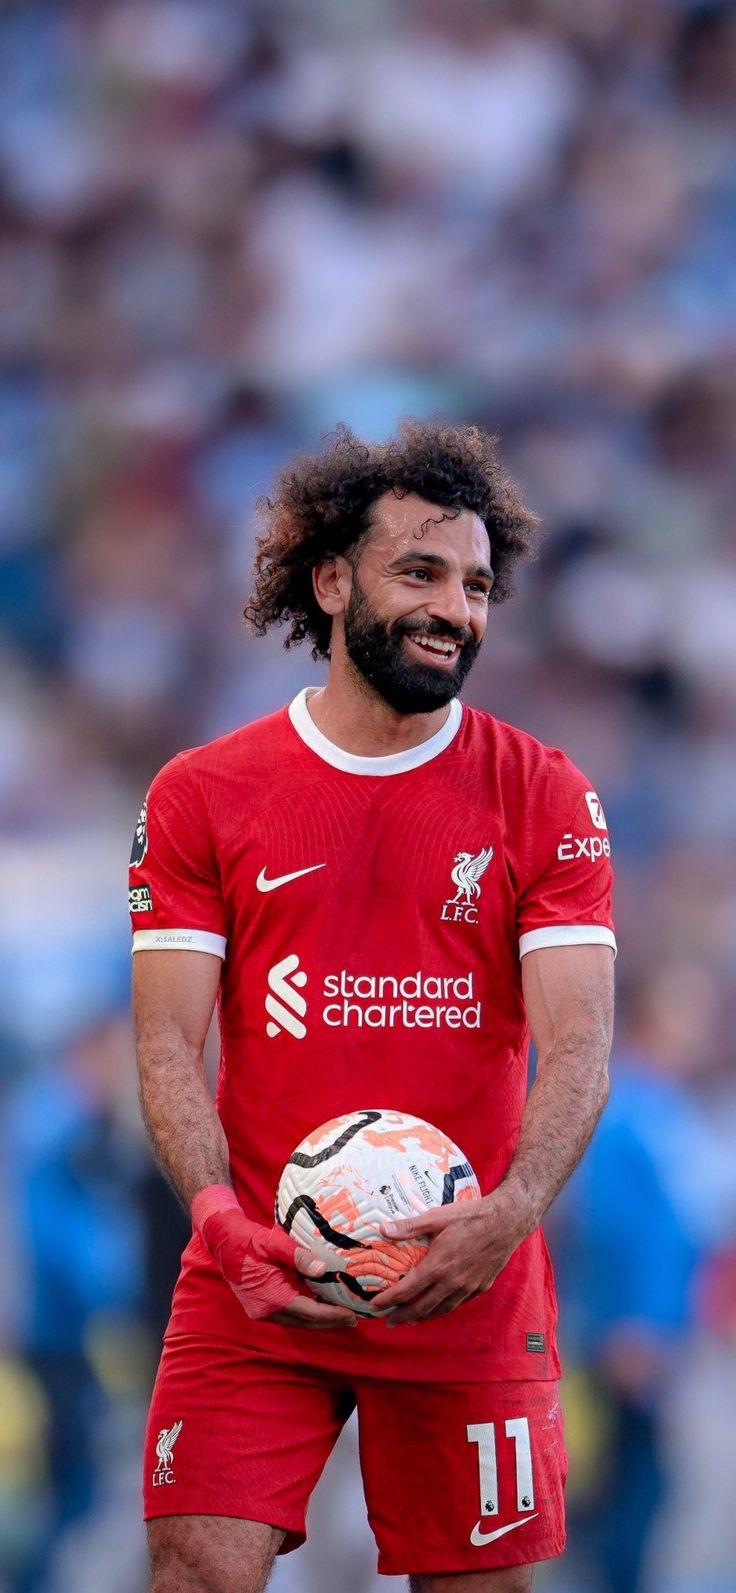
563	1107
180	1116
568	993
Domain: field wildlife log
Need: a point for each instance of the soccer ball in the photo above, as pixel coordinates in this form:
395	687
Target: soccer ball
354	1173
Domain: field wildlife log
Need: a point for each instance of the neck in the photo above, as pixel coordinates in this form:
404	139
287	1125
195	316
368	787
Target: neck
355	718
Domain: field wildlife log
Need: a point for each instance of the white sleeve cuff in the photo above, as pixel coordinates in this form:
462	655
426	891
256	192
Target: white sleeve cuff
567	935
179	940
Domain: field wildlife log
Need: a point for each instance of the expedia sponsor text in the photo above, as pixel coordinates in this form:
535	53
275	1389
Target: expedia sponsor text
590	846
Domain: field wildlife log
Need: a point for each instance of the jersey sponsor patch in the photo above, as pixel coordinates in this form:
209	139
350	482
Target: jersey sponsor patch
140	899
371	1001
286	1005
572	847
140	838
595	810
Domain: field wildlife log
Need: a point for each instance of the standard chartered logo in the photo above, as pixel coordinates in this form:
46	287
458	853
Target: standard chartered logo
284	1004
372	1001
418	1001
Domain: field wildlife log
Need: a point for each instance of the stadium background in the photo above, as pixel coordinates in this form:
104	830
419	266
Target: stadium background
226	227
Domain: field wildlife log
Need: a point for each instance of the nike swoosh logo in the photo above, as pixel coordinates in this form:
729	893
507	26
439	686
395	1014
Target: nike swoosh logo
478	1538
263	884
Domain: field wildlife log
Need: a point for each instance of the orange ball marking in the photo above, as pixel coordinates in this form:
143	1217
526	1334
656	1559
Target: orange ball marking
313	1140
422	1135
340	1210
384	1259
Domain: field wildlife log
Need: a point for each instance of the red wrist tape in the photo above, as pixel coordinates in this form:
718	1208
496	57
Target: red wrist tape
251	1258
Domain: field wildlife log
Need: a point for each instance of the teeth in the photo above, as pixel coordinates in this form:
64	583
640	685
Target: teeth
436	645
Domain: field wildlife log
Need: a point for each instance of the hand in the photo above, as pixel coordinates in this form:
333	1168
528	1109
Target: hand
469	1245
262	1265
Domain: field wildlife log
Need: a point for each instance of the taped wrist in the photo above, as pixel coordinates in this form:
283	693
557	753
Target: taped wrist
250	1257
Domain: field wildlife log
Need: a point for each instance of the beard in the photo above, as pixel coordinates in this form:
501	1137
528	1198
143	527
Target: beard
376	650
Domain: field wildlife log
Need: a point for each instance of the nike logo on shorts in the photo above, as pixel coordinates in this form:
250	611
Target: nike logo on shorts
263	884
478	1538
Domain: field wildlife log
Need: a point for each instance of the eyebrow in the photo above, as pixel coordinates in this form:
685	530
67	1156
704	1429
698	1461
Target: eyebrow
438	563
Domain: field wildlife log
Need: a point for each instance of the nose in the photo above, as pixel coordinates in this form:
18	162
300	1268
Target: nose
449	603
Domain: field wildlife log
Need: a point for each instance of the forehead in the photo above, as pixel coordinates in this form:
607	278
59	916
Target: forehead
411	524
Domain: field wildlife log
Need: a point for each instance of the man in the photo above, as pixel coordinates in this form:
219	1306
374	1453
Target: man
286	861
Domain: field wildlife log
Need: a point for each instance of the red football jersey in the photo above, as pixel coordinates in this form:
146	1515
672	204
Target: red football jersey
371	914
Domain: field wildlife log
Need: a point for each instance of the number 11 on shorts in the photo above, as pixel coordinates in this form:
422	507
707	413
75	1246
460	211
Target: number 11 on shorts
484	1435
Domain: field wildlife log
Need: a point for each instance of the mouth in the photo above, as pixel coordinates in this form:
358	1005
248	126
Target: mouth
439	650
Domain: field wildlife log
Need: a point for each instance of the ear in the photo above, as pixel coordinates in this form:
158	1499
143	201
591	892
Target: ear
332	580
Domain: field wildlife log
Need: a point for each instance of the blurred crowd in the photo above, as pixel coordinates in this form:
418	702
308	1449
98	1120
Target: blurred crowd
225	226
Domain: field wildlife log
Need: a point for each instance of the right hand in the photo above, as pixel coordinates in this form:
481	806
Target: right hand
262	1267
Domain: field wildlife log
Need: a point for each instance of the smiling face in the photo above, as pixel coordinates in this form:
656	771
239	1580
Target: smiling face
417	608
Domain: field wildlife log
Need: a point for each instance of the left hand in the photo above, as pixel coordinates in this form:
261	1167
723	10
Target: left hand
469	1245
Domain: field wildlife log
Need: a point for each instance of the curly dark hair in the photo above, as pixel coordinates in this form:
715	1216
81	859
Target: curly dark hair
322	502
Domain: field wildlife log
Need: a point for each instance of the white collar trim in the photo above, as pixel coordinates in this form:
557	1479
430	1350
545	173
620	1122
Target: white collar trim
390	763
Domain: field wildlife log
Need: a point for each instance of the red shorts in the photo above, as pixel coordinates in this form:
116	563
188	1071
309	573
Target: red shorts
457	1476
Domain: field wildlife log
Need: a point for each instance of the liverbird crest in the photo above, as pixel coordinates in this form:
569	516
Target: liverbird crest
165	1444
468	871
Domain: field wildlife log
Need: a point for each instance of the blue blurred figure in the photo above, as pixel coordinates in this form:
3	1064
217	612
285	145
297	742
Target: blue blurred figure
640	1217
72	1171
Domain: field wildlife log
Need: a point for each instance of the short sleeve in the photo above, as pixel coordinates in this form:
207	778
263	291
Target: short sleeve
567	900
175	896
